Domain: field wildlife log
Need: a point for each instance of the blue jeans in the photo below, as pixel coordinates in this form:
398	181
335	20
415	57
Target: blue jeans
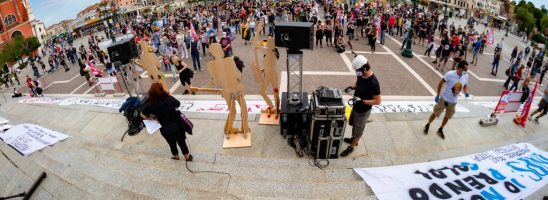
196	61
514	85
382	37
271	29
495	67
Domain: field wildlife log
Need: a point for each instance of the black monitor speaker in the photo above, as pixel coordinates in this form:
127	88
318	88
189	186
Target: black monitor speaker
123	50
295	35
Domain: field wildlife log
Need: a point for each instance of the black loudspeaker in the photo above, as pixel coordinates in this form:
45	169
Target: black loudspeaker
295	35
123	50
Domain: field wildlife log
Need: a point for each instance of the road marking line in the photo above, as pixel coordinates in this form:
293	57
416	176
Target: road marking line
78	88
60	82
368	52
406	66
347	62
440	75
87	91
174	87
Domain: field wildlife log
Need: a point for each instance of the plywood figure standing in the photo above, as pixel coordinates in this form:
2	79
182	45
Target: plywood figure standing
268	75
150	62
223	72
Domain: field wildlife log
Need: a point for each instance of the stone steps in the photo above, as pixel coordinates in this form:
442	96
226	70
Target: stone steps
12	179
53	185
64	182
245	181
145	181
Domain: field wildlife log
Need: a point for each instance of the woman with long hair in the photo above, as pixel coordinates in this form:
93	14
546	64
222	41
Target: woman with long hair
161	106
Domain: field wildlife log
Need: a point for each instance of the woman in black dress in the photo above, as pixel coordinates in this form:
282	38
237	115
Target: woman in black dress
319	34
161	106
328	33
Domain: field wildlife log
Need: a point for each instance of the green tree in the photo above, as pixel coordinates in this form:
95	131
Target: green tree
31	44
525	19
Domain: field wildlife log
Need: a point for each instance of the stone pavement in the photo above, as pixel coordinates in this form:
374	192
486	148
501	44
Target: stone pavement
323	66
94	164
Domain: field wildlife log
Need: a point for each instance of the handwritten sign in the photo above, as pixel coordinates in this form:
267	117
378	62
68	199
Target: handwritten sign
409	106
28	138
510	172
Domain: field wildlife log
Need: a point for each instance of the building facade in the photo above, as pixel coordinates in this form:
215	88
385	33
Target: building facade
15	20
490	7
460	7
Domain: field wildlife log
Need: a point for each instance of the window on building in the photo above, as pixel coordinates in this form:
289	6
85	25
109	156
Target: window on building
40	29
10	19
16	33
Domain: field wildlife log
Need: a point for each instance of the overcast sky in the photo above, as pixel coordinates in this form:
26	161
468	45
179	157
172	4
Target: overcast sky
53	11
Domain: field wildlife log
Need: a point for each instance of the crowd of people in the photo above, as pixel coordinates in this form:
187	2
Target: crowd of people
186	33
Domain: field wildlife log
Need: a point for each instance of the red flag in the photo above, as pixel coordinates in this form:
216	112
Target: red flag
193	33
522	119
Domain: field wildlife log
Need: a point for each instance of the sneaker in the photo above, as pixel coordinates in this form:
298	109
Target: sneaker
536	120
426	127
347	151
440	133
349	141
530	118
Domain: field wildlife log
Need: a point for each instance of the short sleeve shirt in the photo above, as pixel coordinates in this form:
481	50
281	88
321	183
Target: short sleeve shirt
454	84
446	49
366	89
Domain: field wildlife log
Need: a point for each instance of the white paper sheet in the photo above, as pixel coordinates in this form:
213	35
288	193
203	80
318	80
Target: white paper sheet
152	126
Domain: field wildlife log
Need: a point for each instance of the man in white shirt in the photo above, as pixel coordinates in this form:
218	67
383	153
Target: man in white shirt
455	81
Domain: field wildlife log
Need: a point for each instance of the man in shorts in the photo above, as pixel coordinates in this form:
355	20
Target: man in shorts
455	82
367	93
445	52
542	106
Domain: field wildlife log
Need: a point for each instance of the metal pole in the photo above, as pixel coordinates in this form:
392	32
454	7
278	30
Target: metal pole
408	52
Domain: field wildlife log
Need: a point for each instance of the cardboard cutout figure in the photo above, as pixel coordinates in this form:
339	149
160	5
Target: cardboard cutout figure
150	62
268	75
224	73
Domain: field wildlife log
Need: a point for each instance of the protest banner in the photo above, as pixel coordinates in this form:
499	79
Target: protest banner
510	172
28	138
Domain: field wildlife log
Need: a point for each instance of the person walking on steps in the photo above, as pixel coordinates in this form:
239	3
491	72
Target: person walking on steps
367	93
161	106
542	106
455	81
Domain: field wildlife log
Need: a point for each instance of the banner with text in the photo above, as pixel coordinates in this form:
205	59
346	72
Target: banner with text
253	106
28	138
510	172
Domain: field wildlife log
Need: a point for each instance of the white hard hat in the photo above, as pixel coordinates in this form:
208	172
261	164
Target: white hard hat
358	62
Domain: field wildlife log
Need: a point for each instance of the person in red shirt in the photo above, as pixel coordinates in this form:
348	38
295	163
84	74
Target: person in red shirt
516	78
391	23
455	41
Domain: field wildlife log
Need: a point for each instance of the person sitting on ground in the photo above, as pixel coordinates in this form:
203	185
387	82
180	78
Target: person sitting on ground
339	44
16	93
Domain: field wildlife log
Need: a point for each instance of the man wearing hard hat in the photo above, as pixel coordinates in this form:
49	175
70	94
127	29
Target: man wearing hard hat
367	93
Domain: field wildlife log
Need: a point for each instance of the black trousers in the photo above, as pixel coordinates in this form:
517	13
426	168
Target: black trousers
173	137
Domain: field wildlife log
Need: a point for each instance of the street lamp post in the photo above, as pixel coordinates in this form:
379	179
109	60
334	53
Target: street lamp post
408	52
445	10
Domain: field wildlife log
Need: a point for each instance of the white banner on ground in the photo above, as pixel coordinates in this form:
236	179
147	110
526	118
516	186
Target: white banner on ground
409	106
510	172
28	138
3	121
253	106
108	103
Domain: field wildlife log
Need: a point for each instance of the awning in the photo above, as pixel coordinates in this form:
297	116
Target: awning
92	21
